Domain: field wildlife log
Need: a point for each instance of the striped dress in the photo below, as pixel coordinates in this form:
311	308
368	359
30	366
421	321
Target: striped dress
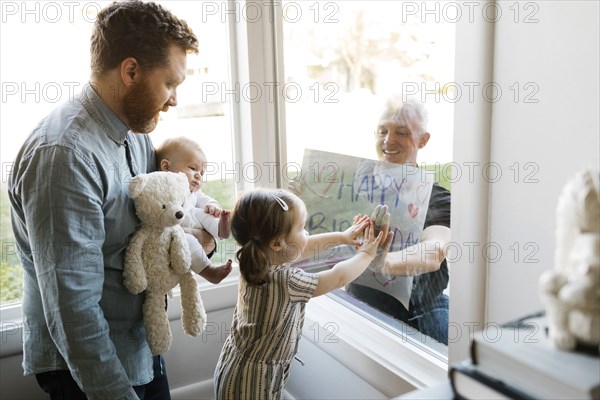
267	323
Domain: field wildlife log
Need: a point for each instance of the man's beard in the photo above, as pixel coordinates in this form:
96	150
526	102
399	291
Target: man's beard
138	107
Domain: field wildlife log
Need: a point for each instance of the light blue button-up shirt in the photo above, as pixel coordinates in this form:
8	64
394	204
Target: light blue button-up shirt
72	220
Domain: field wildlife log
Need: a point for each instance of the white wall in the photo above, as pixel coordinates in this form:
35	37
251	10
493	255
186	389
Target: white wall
559	135
554	61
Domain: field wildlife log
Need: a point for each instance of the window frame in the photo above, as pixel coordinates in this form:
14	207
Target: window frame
257	126
411	362
474	56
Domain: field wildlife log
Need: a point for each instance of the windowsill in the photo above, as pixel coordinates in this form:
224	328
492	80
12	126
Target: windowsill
401	330
11	320
391	361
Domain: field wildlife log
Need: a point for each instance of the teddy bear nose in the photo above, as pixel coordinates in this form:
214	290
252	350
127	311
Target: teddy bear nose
179	214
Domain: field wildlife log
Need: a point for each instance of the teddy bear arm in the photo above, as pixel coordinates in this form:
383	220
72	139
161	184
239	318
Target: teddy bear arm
551	282
580	294
134	273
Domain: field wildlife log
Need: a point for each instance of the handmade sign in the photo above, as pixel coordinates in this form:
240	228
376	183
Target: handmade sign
336	187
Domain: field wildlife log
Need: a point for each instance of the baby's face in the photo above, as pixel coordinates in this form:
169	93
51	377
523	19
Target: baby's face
191	163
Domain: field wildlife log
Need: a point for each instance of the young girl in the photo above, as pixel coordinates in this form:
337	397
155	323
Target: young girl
267	322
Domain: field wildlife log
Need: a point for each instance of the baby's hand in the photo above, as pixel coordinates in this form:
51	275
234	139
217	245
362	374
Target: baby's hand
354	233
371	242
212	210
224	224
225	215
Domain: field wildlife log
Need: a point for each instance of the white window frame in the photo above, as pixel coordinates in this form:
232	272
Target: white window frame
473	62
474	55
256	125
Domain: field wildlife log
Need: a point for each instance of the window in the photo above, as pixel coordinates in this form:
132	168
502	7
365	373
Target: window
36	76
39	72
203	113
343	59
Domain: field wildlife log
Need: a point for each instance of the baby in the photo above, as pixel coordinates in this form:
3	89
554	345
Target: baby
201	211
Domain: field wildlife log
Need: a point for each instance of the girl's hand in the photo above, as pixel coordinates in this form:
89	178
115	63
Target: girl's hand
354	233
371	243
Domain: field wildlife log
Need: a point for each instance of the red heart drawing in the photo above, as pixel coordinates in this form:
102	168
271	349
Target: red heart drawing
385	282
413	211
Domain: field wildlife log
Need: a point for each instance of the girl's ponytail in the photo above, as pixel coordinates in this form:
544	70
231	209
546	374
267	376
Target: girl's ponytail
252	260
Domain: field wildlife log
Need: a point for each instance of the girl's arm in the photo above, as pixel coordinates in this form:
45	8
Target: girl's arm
346	271
322	243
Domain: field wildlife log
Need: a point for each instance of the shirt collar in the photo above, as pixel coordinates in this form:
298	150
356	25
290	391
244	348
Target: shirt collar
112	126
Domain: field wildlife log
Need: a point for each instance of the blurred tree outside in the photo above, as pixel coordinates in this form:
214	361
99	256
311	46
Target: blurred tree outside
364	48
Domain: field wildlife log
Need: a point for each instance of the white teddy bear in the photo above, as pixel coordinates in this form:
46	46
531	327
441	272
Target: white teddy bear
571	291
158	257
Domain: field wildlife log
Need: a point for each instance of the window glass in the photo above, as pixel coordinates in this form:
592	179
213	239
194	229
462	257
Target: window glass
201	113
343	59
45	62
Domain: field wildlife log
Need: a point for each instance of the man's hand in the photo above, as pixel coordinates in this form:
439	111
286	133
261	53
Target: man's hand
295	186
381	218
378	263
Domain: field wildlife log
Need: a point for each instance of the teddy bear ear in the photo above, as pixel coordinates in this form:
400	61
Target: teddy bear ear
137	184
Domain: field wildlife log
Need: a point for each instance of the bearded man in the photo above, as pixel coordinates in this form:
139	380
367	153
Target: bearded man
72	218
